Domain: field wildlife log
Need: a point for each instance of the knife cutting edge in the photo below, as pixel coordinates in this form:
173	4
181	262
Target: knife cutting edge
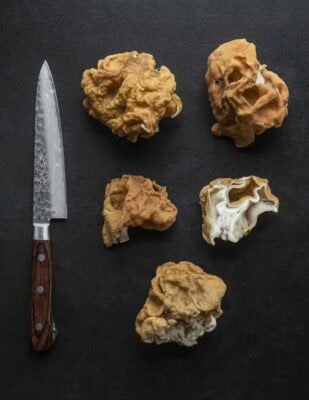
49	202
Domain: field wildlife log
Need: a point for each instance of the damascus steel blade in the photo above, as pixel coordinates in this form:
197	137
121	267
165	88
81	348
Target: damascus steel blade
49	186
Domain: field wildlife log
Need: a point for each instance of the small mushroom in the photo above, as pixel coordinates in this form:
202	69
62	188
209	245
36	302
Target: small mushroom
183	303
133	201
246	99
129	95
230	207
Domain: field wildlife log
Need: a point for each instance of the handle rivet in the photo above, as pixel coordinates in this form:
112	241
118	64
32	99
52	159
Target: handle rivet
40	289
41	257
38	327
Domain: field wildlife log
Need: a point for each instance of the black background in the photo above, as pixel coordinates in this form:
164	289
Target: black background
257	351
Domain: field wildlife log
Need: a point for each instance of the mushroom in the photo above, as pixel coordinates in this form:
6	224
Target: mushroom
183	303
246	99
230	207
133	201
129	95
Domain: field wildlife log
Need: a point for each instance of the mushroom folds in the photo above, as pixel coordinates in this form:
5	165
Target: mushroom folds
246	99
133	201
129	95
230	207
183	304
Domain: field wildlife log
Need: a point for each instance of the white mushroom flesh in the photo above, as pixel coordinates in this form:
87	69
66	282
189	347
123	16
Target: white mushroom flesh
231	220
185	332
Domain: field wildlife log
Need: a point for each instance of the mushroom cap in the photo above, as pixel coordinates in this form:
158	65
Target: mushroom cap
245	97
126	93
183	304
133	201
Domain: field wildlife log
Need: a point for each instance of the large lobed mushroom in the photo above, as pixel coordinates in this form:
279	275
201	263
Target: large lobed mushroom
183	303
129	95
245	97
135	201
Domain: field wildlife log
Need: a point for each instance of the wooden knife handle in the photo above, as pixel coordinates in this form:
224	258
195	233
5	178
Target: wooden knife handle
43	331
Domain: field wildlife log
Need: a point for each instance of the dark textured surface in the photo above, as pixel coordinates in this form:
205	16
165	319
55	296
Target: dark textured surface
257	351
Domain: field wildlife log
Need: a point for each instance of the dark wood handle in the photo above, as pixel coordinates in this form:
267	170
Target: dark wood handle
43	331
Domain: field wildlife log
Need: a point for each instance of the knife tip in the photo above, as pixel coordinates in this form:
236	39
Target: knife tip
45	66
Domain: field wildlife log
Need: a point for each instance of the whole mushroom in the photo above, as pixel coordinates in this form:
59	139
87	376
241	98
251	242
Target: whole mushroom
129	95
183	303
245	97
135	201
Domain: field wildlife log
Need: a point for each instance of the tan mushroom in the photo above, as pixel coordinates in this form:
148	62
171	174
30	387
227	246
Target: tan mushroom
129	95
245	97
133	201
183	303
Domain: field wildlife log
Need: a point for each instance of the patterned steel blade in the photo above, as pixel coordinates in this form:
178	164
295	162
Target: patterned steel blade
49	187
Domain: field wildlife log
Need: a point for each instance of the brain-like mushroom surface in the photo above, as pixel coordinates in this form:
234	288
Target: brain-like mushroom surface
133	201
183	303
129	95
230	207
245	97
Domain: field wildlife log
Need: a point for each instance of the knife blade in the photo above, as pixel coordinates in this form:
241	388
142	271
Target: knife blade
49	202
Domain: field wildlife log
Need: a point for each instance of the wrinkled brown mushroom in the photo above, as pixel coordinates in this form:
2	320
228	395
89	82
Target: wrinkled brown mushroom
133	201
129	95
183	304
246	99
231	207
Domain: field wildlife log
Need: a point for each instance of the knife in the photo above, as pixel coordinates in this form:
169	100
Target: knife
49	202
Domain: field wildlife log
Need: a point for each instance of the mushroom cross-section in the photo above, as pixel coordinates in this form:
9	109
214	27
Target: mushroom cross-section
230	207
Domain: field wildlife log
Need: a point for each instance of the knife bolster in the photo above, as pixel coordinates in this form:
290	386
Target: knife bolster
40	231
